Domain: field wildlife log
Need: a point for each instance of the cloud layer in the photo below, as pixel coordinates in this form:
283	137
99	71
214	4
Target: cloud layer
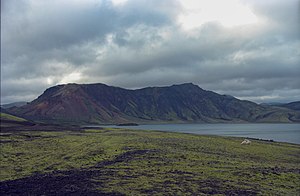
254	54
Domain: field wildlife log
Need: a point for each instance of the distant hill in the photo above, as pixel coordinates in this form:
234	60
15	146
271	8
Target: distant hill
99	103
272	104
10	123
293	105
2	110
15	104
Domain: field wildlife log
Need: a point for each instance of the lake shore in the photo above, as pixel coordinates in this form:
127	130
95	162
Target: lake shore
280	132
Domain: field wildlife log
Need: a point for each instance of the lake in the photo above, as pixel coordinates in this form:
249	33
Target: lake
277	132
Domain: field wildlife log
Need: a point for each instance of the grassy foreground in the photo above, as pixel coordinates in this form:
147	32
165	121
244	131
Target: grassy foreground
117	162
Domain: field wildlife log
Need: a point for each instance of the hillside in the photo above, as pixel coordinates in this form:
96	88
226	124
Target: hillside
99	103
15	104
293	105
5	116
11	122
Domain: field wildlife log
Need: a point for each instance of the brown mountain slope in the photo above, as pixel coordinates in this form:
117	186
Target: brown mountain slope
99	103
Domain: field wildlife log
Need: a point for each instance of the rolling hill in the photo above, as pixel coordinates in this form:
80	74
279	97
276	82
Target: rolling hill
15	104
293	105
100	103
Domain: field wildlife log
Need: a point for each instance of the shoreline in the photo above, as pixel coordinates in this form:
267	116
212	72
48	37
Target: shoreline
280	132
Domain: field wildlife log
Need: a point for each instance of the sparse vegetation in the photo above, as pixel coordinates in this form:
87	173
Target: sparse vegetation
4	116
116	161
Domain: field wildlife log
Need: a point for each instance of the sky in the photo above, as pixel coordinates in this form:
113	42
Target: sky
249	49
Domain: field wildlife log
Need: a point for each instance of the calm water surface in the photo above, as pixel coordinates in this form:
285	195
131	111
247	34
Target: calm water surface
277	132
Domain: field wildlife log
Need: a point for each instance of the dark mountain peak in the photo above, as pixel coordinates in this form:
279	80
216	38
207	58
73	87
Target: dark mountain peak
61	89
50	91
187	102
96	85
186	86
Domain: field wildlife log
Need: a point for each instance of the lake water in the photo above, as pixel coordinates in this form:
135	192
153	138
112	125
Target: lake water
277	132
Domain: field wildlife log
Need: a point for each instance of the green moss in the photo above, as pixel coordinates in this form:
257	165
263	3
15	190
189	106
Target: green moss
149	162
5	116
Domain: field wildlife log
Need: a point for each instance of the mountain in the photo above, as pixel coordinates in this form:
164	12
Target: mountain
293	105
272	104
99	103
15	104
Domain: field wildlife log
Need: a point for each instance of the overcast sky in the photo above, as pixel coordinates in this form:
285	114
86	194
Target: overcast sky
246	48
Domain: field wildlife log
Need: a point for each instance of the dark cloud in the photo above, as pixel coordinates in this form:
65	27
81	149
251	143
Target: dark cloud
141	43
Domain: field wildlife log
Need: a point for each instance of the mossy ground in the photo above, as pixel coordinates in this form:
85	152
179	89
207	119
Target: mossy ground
4	116
117	161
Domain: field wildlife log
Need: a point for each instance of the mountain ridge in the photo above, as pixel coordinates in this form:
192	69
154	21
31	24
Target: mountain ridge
14	104
187	102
